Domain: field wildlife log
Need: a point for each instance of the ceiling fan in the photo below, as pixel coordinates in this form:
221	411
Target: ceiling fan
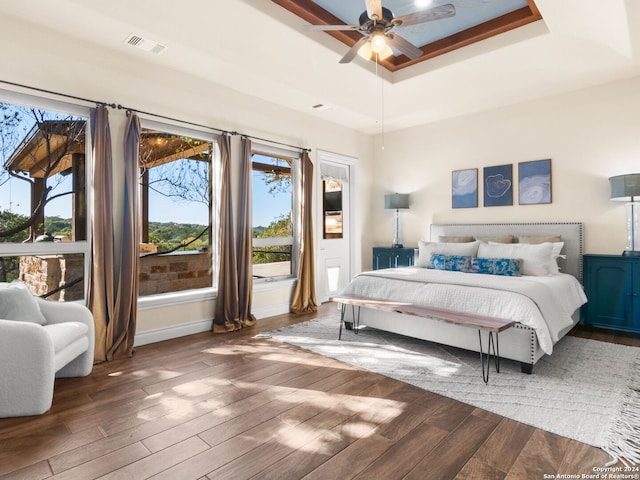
376	26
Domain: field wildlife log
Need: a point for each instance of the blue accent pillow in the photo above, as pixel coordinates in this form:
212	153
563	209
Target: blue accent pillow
496	266
457	263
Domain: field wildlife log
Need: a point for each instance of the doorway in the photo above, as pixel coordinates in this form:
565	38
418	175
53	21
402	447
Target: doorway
335	174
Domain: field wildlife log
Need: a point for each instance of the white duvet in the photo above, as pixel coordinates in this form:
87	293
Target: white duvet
543	303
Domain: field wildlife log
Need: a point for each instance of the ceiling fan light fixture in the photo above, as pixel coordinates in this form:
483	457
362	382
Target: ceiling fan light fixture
378	42
386	53
365	51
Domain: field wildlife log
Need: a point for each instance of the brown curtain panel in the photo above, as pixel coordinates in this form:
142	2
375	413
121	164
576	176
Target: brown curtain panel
245	239
304	296
227	304
101	283
121	331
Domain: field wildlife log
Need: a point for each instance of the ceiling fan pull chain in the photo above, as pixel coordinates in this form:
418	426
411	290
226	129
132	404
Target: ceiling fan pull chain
381	98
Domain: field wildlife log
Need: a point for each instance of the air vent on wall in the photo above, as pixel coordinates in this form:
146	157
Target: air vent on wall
145	44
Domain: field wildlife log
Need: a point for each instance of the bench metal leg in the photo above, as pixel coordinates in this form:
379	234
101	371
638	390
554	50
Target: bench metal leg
356	318
493	347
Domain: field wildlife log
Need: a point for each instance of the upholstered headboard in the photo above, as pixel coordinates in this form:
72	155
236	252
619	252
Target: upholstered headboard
571	233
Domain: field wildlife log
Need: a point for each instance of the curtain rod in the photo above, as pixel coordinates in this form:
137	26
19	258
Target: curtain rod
97	102
272	141
224	132
129	110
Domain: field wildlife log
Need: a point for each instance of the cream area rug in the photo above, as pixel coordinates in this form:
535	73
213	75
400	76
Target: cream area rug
587	390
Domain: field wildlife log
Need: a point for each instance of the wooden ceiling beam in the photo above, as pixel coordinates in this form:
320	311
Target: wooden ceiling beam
192	153
314	14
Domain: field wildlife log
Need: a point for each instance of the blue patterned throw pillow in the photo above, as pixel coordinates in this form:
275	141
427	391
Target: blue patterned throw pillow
457	263
496	266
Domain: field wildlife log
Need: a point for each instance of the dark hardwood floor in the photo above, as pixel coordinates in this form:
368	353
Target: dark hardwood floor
237	407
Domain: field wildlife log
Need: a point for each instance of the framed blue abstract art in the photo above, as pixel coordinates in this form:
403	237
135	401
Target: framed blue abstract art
534	182
498	185
464	188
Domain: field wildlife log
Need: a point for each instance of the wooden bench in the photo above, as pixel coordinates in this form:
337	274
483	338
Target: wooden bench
491	325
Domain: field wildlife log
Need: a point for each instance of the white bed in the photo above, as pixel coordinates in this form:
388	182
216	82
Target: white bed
545	307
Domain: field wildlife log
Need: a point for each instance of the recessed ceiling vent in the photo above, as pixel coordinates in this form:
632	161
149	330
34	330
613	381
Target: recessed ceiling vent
145	44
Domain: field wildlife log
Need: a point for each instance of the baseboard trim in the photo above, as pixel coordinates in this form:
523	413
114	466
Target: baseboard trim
197	326
172	331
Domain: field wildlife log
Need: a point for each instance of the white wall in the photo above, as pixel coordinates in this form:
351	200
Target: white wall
589	135
48	60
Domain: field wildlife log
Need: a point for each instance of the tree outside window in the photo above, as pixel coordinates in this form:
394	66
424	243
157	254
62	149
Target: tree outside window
273	215
43	208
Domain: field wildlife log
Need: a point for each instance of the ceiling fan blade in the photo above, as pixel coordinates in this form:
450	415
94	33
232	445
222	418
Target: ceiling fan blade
374	9
353	51
443	11
398	43
330	27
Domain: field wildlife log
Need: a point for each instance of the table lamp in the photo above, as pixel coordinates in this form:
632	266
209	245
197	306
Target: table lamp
396	201
626	188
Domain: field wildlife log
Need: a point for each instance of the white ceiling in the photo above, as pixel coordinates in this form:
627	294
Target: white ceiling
258	48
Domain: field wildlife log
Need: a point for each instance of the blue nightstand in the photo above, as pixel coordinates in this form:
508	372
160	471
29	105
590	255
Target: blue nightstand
389	257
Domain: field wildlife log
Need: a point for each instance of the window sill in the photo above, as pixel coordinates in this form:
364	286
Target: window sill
264	284
201	295
176	298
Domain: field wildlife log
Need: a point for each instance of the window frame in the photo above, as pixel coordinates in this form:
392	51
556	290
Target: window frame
55	248
204	293
296	195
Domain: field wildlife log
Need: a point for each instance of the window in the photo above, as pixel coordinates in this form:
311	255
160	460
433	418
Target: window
332	209
176	181
274	176
43	197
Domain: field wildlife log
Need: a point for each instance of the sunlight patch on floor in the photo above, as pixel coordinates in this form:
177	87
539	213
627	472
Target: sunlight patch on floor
200	387
291	357
236	349
372	354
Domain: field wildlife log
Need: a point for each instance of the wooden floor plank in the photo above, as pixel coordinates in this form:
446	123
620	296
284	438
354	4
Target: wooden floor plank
411	449
105	463
284	443
582	459
350	461
35	471
16	454
505	444
542	455
160	461
223	453
91	450
456	449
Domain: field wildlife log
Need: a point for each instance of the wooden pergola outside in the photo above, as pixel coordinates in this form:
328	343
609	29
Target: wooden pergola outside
58	147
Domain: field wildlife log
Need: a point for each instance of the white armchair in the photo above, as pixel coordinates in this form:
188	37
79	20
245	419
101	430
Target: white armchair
32	354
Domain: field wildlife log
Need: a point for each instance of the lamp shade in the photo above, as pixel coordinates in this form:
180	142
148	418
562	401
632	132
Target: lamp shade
625	187
396	201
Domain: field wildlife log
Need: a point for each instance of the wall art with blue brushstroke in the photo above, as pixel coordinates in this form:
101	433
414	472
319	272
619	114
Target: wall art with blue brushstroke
464	188
534	182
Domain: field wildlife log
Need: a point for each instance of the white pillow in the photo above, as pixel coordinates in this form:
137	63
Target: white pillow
555	254
17	303
467	249
536	258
